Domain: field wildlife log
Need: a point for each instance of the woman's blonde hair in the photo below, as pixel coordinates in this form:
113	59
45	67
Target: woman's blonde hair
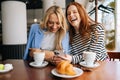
63	24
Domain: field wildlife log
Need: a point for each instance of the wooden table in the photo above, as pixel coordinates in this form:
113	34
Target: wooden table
108	70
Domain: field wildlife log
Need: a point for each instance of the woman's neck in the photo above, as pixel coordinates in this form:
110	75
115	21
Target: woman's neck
76	29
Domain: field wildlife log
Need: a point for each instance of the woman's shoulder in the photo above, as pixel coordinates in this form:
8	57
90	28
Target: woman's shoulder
67	34
98	27
35	27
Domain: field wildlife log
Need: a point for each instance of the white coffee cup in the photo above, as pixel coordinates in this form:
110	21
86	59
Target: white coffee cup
89	58
38	57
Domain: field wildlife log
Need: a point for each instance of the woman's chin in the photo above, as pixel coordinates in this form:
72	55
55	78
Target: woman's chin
53	31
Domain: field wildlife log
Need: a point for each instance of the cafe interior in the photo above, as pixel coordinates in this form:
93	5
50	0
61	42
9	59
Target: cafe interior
16	17
13	46
99	10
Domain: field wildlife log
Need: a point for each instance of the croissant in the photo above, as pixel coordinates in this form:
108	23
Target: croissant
64	67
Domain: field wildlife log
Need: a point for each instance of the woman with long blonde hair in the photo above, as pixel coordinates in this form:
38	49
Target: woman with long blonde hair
50	35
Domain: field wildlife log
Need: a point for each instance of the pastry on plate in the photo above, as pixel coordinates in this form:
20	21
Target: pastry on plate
64	67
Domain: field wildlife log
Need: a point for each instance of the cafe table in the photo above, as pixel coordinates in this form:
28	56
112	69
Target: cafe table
108	70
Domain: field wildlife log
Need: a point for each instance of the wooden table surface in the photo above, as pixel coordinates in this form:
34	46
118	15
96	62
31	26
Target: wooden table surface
108	70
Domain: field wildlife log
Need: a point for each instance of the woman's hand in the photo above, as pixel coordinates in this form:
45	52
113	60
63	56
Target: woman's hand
58	58
48	54
66	57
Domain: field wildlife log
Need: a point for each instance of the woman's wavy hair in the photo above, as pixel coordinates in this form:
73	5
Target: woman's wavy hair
63	24
86	23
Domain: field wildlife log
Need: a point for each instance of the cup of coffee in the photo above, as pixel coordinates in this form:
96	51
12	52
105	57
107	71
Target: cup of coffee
38	57
89	58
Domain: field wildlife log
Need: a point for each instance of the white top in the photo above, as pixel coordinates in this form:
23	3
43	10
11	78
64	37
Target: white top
48	41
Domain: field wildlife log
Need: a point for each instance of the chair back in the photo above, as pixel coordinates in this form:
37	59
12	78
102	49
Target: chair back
114	55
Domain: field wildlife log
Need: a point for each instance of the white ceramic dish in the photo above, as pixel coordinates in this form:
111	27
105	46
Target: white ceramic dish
4	71
84	65
45	63
8	67
77	70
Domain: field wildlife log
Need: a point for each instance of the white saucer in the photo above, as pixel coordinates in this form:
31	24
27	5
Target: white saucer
77	70
4	71
8	68
84	65
45	63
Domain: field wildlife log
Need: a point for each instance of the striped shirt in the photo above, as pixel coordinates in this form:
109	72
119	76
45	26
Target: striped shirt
94	44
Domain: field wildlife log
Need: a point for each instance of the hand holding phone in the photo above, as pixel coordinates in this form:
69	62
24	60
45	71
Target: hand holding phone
66	57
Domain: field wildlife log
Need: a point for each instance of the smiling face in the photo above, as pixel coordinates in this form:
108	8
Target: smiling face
73	16
53	23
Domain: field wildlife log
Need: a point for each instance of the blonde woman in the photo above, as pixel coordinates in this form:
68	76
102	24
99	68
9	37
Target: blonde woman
49	36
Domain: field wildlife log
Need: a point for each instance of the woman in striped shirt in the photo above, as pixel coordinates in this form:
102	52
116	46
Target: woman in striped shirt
85	34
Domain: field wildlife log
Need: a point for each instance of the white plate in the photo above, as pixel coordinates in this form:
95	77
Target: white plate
84	65
9	68
4	71
77	70
45	63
